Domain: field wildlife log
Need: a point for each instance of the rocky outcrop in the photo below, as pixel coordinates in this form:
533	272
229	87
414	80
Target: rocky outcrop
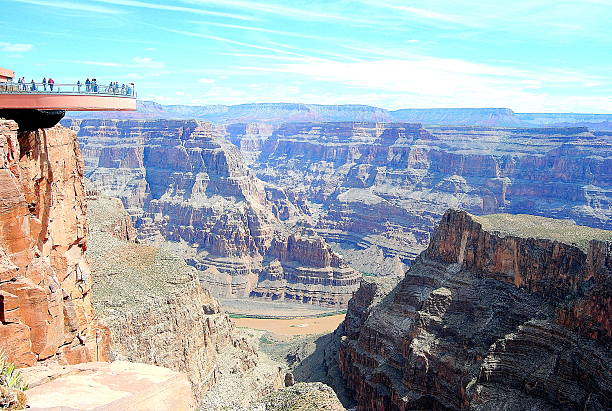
159	313
46	311
499	312
304	268
384	185
304	396
181	181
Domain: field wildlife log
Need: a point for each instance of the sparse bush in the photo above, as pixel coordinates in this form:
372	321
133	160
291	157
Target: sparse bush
10	376
12	386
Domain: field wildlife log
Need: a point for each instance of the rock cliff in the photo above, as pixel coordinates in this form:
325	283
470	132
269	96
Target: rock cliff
159	314
499	312
380	187
181	181
46	311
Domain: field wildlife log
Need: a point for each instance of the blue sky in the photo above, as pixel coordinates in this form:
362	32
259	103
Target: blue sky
531	56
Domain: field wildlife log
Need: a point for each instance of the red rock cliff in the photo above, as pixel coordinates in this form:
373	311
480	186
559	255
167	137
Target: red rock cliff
488	318
46	312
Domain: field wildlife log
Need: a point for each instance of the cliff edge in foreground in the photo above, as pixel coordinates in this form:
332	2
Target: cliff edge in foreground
46	313
500	311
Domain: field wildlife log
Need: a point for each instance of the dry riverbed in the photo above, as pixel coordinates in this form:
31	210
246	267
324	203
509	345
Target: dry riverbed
293	327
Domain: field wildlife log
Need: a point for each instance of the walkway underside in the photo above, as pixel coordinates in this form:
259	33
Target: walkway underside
67	102
30	120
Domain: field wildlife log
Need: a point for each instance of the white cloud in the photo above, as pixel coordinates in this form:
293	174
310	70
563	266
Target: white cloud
147	62
435	82
97	63
429	14
206	81
15	47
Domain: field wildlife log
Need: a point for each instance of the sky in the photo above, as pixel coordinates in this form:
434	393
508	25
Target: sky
530	56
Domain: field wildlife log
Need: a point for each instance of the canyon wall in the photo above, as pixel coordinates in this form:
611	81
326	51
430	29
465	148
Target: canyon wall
182	181
159	314
501	311
384	185
46	311
278	113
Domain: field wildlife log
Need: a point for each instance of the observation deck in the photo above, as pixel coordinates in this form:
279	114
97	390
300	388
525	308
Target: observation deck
40	105
67	97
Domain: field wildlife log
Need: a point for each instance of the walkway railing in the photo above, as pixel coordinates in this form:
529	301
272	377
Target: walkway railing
61	88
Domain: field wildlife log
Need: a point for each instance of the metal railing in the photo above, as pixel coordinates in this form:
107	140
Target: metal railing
123	90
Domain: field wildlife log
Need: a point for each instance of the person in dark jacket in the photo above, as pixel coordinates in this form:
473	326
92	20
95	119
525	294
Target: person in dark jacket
44	83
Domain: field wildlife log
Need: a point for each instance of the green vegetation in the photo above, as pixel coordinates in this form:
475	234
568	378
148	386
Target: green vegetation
265	340
529	226
9	375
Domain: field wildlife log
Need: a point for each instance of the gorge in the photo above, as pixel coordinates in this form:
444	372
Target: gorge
121	257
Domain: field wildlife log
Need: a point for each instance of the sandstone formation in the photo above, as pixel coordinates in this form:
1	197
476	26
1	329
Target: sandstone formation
181	181
382	186
500	312
101	386
46	311
159	314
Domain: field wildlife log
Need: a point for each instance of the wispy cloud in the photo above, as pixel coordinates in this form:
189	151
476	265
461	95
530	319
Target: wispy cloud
444	82
230	41
137	62
260	30
285	11
96	63
168	7
429	14
15	47
147	62
72	5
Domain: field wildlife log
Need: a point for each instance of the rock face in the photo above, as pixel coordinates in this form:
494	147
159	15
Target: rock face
499	312
46	312
181	182
384	185
159	313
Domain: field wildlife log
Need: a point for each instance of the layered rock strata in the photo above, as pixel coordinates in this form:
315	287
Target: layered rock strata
382	186
160	314
46	311
182	182
499	312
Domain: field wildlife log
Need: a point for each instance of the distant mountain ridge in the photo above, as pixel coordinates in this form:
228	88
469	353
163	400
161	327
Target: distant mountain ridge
297	112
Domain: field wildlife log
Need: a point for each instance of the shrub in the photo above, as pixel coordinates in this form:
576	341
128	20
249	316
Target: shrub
10	376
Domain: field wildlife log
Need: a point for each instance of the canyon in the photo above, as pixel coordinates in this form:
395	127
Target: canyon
183	182
384	185
285	211
122	256
501	311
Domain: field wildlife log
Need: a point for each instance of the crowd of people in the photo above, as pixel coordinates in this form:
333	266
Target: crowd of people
90	86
